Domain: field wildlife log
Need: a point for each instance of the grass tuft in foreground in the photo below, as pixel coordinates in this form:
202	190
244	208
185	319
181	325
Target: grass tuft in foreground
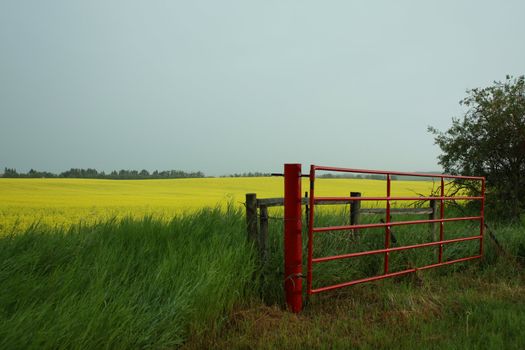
123	283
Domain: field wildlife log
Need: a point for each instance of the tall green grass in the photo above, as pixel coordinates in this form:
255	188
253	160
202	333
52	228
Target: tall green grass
123	284
151	283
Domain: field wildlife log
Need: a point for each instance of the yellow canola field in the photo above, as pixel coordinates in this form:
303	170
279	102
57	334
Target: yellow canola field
64	202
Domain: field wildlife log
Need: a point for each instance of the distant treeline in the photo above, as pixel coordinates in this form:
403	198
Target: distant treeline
89	173
249	174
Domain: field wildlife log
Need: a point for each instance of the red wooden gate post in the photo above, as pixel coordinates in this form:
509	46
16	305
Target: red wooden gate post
293	242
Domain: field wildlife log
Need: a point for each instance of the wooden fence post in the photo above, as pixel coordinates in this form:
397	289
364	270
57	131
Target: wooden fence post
355	207
433	216
251	216
306	209
263	233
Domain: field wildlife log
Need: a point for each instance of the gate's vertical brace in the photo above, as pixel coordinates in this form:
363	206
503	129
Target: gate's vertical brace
482	214
441	216
387	220
293	259
310	230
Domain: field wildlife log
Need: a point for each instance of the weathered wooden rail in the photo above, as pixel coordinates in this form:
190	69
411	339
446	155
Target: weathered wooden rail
257	215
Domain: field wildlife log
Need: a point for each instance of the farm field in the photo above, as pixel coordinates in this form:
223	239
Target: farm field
172	272
64	202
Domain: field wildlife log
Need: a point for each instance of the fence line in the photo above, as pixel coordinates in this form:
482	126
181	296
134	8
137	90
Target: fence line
257	215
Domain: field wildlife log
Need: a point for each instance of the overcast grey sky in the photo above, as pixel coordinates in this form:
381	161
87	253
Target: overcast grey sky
232	86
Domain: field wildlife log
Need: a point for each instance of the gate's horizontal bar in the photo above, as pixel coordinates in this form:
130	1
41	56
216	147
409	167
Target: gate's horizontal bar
364	211
351	199
378	251
276	202
393	274
395	223
382	172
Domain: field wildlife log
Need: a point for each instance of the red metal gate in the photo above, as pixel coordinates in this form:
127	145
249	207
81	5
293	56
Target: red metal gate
293	247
